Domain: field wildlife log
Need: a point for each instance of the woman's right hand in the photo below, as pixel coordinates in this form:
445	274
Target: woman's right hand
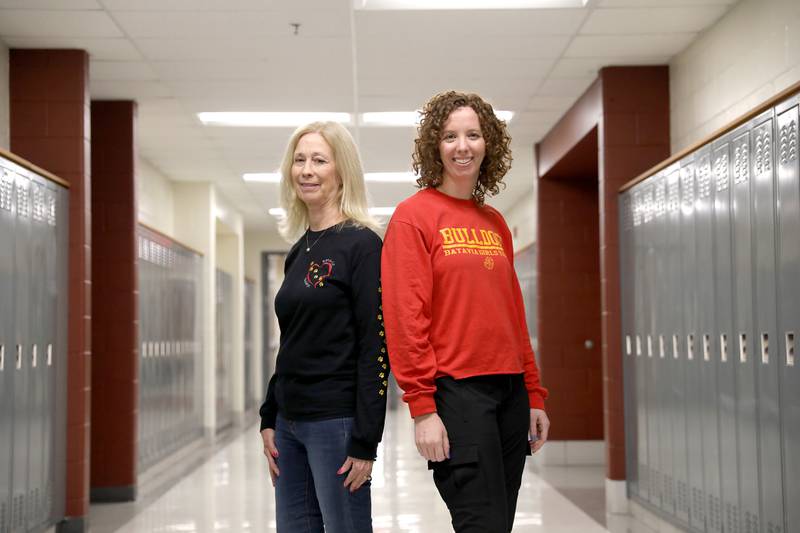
430	436
268	436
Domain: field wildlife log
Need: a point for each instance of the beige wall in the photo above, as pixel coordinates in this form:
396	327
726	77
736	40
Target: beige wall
155	198
522	213
750	55
5	139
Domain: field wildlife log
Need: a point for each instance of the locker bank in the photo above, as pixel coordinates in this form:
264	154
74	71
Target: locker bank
654	202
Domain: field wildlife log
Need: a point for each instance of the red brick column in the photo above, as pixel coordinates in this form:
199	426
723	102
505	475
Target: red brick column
114	301
49	108
633	136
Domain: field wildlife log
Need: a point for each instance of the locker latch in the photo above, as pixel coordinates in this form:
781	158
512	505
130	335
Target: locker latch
706	347
661	350
18	361
34	356
649	346
723	347
638	346
49	355
675	352
789	348
628	344
2	357
743	347
690	346
765	348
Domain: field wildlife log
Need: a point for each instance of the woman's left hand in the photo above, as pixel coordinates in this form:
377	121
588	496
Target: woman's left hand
360	472
540	425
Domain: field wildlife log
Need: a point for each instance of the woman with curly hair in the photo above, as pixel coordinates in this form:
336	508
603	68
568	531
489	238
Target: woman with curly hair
455	321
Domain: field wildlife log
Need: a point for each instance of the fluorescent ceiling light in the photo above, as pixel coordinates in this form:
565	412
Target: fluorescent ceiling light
263	177
269	119
378	5
279	212
409	118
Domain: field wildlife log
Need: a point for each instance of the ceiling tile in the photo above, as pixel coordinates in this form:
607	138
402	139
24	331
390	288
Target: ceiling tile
99	49
121	71
48	24
629	45
653	20
128	90
590	66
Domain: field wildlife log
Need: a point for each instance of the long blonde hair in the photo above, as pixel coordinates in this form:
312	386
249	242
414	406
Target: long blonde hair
352	194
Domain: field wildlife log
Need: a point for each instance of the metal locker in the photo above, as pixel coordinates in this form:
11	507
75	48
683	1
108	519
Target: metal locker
640	206
627	268
743	343
766	343
21	353
37	248
706	337
673	331
7	371
694	422
51	317
730	159
788	195
648	333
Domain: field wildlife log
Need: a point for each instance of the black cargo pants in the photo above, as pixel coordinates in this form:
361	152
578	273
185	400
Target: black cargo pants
487	420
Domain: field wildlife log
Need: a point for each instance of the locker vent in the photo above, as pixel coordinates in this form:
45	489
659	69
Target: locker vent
763	159
6	190
51	208
38	202
687	187
673	193
627	213
732	518
721	165
23	197
648	205
637	208
698	510
3	517
774	528
704	179
788	143
683	497
715	511
661	199
750	522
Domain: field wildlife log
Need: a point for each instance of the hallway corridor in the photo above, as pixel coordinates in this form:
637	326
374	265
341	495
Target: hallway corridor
231	492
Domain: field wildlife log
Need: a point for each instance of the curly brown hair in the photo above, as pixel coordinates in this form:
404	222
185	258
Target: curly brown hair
427	162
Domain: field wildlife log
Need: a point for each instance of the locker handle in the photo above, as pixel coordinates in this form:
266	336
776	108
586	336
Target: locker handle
49	355
638	346
743	347
790	348
649	346
765	348
19	357
690	347
34	355
675	351
628	344
2	357
723	347
661	348
706	347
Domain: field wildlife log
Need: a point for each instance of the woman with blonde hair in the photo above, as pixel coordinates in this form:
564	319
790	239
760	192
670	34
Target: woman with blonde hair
323	415
455	320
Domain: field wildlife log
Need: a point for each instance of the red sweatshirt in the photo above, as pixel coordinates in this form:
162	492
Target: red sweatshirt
451	300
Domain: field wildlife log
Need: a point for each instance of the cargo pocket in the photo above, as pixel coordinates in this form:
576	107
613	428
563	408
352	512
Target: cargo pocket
458	479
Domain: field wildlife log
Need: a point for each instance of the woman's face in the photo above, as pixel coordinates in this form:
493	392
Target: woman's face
462	147
314	175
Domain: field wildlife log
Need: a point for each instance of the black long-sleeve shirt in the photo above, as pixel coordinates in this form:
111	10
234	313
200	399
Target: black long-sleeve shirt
332	360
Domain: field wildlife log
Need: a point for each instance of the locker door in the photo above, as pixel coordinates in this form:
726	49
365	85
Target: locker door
648	333
51	316
690	344
706	339
7	294
21	353
36	318
769	438
743	345
639	362
674	333
56	493
628	333
789	303
727	154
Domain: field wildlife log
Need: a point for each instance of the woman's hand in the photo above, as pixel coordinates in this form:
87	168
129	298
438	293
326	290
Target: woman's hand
268	436
360	472
540	425
430	436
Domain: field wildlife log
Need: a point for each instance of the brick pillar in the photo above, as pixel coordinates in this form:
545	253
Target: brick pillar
114	301
633	136
49	109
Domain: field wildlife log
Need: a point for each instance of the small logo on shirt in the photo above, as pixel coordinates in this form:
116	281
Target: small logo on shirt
318	273
488	263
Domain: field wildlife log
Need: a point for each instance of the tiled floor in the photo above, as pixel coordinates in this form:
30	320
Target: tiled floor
231	492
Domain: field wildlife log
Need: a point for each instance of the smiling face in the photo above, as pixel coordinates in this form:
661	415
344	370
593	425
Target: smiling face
314	175
462	148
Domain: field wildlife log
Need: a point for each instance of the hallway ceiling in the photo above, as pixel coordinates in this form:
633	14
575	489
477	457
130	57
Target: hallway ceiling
177	58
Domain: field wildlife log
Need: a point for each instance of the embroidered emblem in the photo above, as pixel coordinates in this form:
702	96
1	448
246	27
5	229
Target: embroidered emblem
317	274
488	263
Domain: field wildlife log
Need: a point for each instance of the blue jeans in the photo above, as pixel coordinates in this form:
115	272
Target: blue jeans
310	495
